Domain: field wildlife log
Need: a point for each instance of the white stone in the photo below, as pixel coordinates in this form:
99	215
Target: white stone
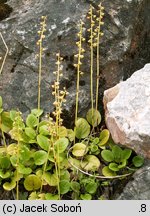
66	21
53	26
127	111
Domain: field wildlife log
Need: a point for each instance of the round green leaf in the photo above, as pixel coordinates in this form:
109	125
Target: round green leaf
44	130
113	167
1	102
62	156
40	157
64	186
37	112
2	150
62	131
33	196
117	153
94	117
30	132
5	162
107	155
25	153
59	157
1	110
13	160
17	176
75	186
104	137
70	134
95	141
51	157
64	175
9	185
32	182
123	164
138	161
5	175
36	196
94	148
43	142
75	162
79	149
6	122
91	187
82	128
64	164
51	179
86	196
31	121
90	163
126	153
44	122
41	196
39	173
24	170
13	114
49	196
61	144
111	143
25	138
107	172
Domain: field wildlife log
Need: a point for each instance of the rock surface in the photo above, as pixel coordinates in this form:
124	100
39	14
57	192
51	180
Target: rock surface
124	48
127	108
138	188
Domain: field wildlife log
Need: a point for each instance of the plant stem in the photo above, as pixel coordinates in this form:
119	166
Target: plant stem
56	168
40	74
40	43
97	80
44	169
98	55
18	151
4	140
91	57
2	66
57	98
17	186
78	71
58	115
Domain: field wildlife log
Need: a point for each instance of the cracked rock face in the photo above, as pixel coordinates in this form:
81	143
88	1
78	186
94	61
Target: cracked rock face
124	49
138	188
5	10
127	112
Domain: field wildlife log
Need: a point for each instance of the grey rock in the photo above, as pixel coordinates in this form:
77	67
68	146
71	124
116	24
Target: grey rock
6	195
127	114
5	10
124	48
19	89
138	188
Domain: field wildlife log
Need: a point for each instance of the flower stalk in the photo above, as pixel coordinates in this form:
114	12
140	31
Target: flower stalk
79	56
40	45
99	34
